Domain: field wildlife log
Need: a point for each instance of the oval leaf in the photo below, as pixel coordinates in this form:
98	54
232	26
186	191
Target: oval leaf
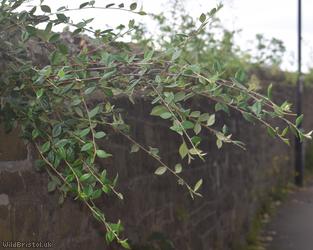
160	170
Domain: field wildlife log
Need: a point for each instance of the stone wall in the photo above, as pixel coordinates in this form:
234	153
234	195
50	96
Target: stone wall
235	183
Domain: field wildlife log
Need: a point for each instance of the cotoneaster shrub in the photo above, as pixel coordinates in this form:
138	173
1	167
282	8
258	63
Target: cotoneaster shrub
45	85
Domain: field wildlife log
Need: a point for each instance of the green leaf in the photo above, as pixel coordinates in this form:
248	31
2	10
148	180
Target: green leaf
15	5
225	129
198	185
160	170
102	154
284	131
131	23
61	73
176	54
115	180
89	90
158	110
96	194
221	106
51	186
35	133
106	189
45	147
134	148
125	244
204	117
61	8
148	55
83	5
197	128
195	114
248	117
187	124
271	132
45	8
195	68
100	135
183	150
219	143
194	151
88	190
76	102
56	131
109	236
48	27
39	93
84	177
285	106
269	91
178	168
257	108
169	97
133	6
62	143
196	140
299	120
202	18
94	112
213	11
240	76
84	132
87	146
61	152
108	75
109	5
62	18
154	151
301	136
166	115
211	120
286	141
31	30
177	128
179	96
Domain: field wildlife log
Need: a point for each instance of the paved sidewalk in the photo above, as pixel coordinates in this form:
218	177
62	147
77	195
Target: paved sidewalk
292	226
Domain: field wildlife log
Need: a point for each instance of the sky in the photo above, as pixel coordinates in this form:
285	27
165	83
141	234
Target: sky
272	18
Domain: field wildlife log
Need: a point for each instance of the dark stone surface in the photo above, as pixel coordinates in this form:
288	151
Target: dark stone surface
12	147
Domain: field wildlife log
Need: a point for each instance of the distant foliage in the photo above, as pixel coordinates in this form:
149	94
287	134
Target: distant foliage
49	99
213	45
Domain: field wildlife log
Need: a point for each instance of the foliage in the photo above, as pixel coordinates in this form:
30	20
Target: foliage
269	52
51	101
213	45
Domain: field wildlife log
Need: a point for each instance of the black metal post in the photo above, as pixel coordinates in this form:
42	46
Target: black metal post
299	166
